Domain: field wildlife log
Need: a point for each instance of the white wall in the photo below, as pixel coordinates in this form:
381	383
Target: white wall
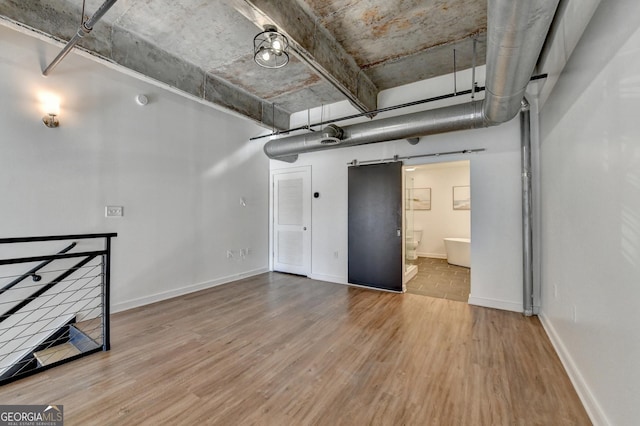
590	170
177	166
441	221
496	277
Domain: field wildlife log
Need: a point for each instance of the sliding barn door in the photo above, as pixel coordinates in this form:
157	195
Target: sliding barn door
375	226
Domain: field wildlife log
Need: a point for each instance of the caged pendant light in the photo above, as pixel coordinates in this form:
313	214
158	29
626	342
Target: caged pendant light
270	48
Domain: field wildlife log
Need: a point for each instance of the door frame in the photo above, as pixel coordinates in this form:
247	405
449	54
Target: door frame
272	175
453	159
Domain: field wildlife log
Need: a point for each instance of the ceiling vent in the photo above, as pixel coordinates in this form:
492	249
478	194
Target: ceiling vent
331	135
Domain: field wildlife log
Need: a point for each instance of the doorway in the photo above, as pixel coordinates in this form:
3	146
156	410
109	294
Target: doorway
291	226
437	225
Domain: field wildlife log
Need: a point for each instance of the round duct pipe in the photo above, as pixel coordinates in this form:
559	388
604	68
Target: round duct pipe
447	119
515	33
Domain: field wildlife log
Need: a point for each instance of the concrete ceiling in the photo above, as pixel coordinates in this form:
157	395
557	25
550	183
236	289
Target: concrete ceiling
341	49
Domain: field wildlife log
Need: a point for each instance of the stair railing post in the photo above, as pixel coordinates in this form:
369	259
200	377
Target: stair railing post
106	296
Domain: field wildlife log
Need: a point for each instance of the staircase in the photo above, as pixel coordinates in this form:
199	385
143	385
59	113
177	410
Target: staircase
61	313
73	344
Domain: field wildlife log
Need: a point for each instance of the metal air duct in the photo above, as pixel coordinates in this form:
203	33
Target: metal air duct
455	117
516	31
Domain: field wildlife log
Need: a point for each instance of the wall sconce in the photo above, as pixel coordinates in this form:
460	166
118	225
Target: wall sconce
270	48
51	110
50	120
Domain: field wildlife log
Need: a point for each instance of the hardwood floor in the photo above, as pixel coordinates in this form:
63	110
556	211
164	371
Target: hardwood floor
283	350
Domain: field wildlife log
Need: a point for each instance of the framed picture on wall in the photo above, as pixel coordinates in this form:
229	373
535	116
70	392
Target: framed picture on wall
421	198
462	198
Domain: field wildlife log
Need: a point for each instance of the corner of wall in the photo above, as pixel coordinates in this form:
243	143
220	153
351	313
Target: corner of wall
595	412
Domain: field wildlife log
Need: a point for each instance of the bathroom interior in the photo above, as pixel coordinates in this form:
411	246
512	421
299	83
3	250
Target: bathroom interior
437	225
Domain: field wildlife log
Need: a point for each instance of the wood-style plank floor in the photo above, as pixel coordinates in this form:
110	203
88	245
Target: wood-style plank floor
283	350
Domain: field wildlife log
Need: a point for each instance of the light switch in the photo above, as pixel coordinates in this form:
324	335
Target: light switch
114	211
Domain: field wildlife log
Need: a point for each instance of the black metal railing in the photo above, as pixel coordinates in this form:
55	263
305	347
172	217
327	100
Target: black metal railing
62	313
33	271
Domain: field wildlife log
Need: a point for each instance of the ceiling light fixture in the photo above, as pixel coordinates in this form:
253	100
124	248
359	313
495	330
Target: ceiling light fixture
270	48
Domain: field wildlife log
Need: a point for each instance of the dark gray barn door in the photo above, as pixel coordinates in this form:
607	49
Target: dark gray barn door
375	225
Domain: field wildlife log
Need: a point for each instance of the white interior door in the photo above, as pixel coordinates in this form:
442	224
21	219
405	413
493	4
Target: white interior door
292	221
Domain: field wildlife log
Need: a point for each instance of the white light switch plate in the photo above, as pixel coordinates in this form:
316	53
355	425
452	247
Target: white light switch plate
114	211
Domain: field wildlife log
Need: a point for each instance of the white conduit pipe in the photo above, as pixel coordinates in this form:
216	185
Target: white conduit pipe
84	29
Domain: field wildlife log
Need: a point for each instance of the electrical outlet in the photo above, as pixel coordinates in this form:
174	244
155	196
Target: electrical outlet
114	211
555	291
336	254
575	315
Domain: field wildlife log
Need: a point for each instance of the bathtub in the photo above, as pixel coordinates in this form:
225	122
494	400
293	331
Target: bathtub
458	251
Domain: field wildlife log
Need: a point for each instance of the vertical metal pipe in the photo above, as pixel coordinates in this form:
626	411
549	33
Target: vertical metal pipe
106	296
455	91
473	69
527	219
82	31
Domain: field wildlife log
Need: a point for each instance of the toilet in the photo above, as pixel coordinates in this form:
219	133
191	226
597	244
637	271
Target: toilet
413	241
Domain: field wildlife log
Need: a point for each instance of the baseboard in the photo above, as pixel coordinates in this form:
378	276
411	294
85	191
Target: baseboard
431	255
329	278
146	300
505	305
597	416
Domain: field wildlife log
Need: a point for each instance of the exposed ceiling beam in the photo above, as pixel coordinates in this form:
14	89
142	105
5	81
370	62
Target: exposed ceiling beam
169	69
315	46
115	45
